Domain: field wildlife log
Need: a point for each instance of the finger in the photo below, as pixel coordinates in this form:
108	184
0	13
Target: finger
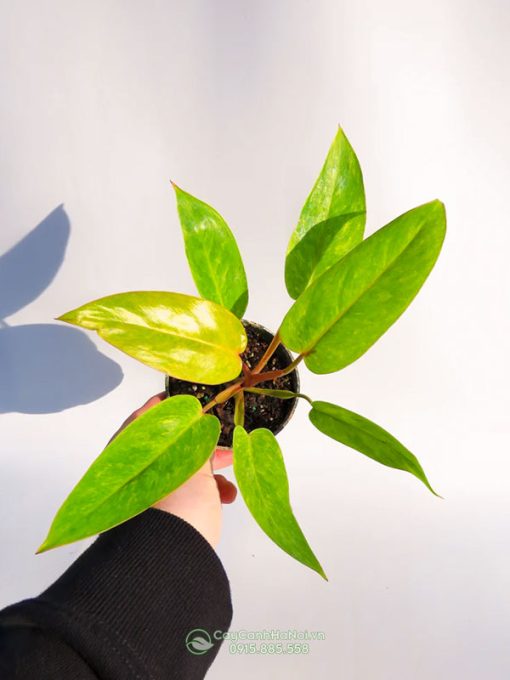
156	399
227	490
222	458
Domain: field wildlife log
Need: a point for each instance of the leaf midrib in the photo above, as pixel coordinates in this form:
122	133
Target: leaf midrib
376	438
140	472
330	203
121	325
212	276
287	497
307	553
308	350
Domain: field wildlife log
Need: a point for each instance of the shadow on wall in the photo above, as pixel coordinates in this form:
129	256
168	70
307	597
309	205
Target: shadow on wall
45	367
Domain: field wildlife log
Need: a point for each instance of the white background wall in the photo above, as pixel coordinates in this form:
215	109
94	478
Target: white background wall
101	103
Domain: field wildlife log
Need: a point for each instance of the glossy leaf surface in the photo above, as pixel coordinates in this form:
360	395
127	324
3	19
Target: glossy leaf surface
342	314
320	248
260	473
184	336
332	220
213	254
151	457
364	436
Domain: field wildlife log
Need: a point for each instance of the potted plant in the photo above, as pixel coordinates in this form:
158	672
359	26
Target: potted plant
231	382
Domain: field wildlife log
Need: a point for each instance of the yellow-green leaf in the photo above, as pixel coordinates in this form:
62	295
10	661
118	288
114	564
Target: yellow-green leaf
343	312
150	458
332	220
364	436
260	473
213	254
184	336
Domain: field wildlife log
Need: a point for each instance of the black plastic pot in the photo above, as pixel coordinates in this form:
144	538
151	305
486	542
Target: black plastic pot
260	410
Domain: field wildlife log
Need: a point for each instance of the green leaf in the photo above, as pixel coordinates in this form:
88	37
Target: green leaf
332	220
260	473
320	248
184	336
212	253
366	437
342	314
278	394
151	457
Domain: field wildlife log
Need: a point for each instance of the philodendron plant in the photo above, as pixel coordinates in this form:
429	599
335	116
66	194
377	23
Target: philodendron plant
232	379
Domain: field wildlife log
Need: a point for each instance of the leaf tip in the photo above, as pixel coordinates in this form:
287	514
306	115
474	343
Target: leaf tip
45	545
322	573
429	487
340	134
438	204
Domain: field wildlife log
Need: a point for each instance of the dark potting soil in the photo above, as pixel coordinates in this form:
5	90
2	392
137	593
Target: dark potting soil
260	410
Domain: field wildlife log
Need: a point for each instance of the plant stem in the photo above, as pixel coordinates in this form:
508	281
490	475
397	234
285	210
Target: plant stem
267	354
251	378
239	408
272	375
223	396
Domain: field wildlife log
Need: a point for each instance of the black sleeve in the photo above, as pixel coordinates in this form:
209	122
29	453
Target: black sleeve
123	609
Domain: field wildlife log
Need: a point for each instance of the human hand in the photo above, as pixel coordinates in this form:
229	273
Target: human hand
198	501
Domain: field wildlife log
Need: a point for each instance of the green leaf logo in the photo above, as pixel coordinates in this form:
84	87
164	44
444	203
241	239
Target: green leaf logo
198	641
